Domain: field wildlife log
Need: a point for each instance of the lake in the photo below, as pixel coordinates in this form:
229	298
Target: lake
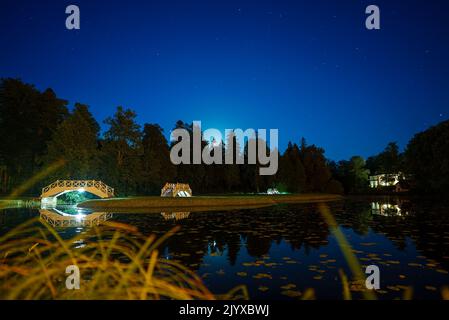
278	252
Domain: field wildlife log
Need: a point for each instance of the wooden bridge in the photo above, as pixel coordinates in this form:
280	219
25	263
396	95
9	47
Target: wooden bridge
59	187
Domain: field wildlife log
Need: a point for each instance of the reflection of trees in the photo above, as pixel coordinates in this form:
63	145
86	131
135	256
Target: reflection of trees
299	225
13	217
355	215
225	232
428	226
257	246
426	223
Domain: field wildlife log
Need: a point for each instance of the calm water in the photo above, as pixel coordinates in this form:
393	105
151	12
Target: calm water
278	252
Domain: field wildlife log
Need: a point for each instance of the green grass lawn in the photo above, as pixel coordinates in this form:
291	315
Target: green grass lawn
205	202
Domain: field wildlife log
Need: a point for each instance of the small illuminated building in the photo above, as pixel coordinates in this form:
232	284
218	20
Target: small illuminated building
273	191
176	190
384	180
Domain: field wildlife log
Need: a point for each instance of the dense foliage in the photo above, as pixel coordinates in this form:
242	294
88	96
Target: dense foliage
37	130
427	157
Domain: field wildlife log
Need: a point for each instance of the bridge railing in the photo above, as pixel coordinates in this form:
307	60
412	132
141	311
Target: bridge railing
79	184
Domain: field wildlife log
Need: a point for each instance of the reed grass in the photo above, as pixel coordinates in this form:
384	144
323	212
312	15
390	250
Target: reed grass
115	262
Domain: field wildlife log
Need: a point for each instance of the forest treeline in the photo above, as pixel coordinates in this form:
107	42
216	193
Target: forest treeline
37	130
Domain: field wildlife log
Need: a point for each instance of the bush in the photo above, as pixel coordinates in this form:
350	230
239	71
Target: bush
334	187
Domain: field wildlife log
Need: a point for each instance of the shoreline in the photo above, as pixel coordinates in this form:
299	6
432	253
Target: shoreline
205	202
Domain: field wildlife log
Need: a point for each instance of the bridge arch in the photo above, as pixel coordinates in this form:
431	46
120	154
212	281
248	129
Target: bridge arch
52	191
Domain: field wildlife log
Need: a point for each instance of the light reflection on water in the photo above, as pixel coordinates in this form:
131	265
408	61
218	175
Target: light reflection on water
280	251
73	217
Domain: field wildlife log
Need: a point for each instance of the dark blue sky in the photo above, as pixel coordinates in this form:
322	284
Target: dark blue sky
308	68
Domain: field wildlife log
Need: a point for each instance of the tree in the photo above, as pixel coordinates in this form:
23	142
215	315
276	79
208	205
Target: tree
358	175
28	118
121	152
427	158
156	165
76	141
389	161
193	174
232	174
318	173
291	174
334	187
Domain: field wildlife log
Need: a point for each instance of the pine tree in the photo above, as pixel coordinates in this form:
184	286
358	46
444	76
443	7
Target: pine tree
76	141
121	152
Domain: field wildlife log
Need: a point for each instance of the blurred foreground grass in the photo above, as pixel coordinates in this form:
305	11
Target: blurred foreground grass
115	262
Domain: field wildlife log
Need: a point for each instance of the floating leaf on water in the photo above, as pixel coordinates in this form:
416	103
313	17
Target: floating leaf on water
250	264
393	288
289	286
413	264
291	293
403	287
364	259
368	244
262	276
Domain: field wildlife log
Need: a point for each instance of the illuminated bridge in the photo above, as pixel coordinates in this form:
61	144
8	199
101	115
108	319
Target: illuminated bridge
51	192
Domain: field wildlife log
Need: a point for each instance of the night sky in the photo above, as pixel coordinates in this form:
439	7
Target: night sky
308	68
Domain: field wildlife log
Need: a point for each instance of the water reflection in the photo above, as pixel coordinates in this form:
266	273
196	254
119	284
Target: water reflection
388	209
290	245
175	215
66	219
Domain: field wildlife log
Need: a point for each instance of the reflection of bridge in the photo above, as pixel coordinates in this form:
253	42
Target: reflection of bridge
175	215
58	218
59	187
